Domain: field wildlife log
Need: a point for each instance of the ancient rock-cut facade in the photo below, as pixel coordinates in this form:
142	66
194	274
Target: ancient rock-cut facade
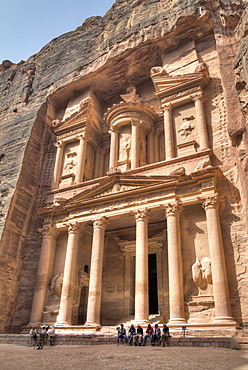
129	201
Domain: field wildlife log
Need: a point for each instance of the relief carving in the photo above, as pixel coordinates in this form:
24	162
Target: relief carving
186	127
70	163
125	149
202	273
56	285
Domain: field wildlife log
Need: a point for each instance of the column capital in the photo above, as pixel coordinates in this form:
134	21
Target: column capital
74	227
49	232
198	96
59	144
136	122
113	130
142	215
101	223
209	201
82	135
167	107
171	209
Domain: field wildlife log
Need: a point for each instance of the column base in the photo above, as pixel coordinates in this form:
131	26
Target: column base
177	321
92	325
61	323
224	320
141	322
37	323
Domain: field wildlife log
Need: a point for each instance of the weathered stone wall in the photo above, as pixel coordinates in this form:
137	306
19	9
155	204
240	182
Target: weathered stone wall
108	53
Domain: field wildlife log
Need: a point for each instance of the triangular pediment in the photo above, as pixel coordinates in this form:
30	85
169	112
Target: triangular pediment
78	119
115	186
164	83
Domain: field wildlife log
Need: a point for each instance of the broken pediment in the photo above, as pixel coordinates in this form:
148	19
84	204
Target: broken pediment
169	85
84	116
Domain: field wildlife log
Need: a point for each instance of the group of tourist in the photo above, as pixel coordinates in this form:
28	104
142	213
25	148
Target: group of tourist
40	337
136	336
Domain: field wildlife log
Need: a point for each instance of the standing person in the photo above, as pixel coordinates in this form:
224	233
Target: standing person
165	336
51	334
33	337
132	332
121	334
149	334
42	336
139	336
157	334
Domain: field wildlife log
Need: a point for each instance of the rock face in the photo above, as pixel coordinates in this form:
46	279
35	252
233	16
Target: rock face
99	61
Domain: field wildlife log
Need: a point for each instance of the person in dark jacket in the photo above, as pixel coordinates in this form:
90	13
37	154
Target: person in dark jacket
165	336
132	332
157	334
139	336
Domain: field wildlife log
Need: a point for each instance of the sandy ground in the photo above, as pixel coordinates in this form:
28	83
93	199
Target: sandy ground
120	357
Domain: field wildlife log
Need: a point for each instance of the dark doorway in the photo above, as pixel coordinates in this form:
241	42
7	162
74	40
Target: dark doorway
153	285
82	309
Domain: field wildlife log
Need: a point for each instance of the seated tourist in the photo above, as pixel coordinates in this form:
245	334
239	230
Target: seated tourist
139	336
121	334
165	336
149	334
132	332
157	334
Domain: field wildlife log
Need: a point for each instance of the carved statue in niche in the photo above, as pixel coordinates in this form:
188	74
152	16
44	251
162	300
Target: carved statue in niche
202	275
56	285
125	149
70	163
186	127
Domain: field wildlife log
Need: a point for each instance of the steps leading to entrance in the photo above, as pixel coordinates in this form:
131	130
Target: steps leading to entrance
97	339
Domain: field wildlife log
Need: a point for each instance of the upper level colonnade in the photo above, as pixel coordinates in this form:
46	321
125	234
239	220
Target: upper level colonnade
138	134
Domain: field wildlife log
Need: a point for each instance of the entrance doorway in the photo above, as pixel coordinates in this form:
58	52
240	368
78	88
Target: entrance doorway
82	309
153	285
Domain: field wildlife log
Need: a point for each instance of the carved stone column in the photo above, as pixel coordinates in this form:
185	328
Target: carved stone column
201	121
44	274
168	132
150	144
58	163
113	147
135	144
81	157
219	276
176	294
128	296
156	146
70	273
95	286
141	271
